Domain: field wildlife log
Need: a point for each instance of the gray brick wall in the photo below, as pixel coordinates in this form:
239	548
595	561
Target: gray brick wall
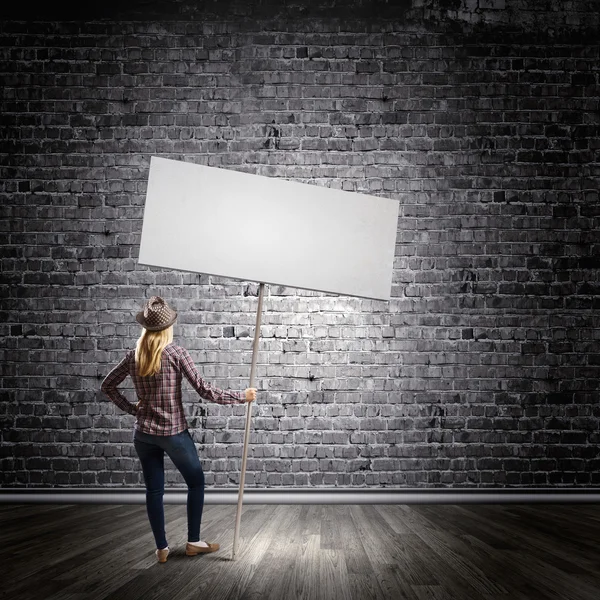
480	117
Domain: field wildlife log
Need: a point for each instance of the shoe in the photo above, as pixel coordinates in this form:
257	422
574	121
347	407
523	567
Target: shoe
192	550
162	555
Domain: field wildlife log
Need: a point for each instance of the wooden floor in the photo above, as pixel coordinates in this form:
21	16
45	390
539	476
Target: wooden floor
462	552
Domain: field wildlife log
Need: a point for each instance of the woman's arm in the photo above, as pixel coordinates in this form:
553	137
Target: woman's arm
205	390
112	380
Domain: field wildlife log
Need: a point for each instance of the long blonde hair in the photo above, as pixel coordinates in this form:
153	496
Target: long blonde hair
149	349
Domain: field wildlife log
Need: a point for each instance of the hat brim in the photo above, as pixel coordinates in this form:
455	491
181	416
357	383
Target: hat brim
140	319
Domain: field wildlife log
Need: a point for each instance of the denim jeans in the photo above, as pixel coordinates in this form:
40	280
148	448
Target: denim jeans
182	451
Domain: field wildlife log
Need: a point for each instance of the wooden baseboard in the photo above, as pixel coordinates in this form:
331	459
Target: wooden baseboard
307	496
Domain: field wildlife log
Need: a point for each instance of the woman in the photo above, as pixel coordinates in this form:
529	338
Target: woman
156	367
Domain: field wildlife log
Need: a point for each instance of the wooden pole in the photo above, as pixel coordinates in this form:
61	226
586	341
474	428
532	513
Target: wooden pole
238	516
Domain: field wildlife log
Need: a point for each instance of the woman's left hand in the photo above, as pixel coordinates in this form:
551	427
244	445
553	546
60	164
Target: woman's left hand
250	394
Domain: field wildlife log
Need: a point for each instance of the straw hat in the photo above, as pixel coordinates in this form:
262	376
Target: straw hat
157	315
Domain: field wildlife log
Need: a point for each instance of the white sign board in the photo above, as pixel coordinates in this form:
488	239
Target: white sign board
255	228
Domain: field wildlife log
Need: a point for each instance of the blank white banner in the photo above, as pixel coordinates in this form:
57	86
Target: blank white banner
255	228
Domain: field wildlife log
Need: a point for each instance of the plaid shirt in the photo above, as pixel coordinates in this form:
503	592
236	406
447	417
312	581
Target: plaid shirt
160	410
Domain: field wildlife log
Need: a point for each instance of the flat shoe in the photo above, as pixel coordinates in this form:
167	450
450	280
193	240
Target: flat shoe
162	555
192	550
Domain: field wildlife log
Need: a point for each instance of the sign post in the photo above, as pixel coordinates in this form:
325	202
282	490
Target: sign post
238	515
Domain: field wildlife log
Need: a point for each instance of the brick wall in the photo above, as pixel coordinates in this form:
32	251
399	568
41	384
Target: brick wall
480	117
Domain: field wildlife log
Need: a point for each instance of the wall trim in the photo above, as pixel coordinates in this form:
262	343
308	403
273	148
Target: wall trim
307	496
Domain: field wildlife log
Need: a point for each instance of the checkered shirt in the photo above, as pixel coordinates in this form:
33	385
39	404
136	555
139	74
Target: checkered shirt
160	409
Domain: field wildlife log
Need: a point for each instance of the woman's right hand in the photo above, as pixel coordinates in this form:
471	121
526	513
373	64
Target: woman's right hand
250	394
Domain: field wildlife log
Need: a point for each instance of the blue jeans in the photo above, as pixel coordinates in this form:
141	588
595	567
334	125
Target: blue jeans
182	451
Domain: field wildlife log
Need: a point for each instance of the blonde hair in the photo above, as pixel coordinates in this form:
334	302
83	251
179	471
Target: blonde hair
149	349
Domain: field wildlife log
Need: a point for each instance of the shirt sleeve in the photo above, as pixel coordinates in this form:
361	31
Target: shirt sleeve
205	390
112	380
